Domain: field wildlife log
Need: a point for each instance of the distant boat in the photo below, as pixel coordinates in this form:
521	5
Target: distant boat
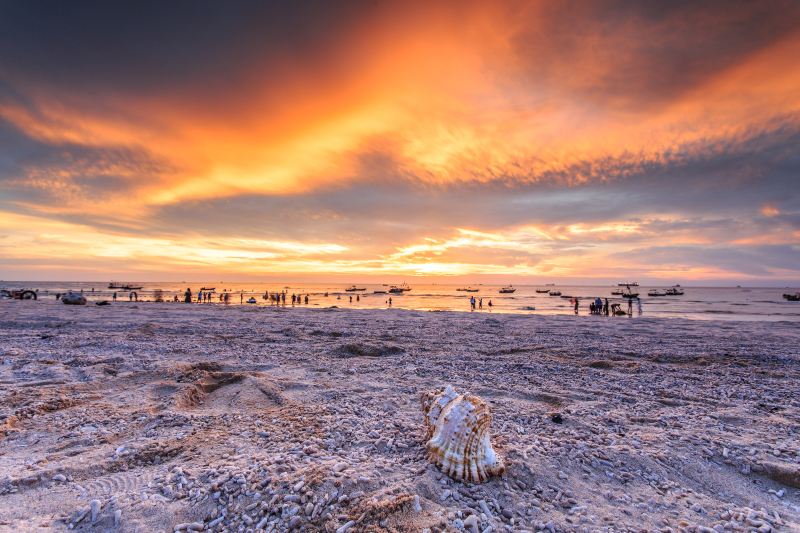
549	284
508	290
792	297
542	290
674	291
467	289
555	293
378	292
397	290
656	292
353	288
617	292
631	284
120	286
209	289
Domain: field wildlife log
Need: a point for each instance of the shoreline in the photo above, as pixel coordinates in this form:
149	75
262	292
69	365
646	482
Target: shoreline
159	416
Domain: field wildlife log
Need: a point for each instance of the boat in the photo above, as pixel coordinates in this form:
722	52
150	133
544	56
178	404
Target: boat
674	291
567	297
616	292
656	292
251	300
792	297
631	284
120	286
508	290
630	294
395	290
467	289
353	288
540	291
555	293
208	289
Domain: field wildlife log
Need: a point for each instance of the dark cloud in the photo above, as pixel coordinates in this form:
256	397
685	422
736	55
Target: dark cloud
97	43
35	171
632	54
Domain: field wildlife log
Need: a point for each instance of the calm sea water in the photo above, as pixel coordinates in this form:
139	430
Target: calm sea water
718	303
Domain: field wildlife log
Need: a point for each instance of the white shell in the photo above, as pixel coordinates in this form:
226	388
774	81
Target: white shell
457	435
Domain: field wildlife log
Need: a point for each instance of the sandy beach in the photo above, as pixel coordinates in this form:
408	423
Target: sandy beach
162	417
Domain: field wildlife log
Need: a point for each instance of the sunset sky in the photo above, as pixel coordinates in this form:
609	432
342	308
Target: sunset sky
588	141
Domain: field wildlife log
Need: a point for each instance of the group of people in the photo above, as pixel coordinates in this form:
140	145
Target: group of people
479	301
600	306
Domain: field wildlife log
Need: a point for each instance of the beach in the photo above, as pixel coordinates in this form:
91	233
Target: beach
162	417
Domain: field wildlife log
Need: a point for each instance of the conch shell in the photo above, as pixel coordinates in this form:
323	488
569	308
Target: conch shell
457	435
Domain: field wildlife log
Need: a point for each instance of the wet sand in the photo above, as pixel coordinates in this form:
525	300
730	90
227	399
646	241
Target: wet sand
156	417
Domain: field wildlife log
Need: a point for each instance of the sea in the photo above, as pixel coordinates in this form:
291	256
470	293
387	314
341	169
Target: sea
700	303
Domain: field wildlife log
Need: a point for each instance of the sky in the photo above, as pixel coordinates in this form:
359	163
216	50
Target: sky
595	141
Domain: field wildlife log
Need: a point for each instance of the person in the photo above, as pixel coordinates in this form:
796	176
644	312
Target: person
176	298
605	307
351	299
591	308
390	301
114	296
292	298
187	296
576	305
472	302
639	305
306	299
480	303
283	297
133	296
358	297
241	297
490	304
630	306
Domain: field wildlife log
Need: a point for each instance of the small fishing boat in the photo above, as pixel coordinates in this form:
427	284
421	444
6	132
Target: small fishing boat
792	297
467	289
508	290
616	292
674	291
630	284
379	292
656	292
555	293
353	288
208	289
395	290
540	291
123	287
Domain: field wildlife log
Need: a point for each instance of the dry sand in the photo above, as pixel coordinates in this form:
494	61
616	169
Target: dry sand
156	417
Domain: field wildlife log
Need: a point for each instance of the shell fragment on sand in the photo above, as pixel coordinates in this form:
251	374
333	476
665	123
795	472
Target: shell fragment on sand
457	435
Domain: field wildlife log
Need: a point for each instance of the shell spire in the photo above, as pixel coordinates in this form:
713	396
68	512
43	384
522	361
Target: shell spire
457	435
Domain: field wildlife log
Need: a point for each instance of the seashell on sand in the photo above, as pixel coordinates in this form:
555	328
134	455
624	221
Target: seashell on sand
457	435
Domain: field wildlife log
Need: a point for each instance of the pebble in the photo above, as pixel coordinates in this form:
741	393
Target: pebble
94	507
347	526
